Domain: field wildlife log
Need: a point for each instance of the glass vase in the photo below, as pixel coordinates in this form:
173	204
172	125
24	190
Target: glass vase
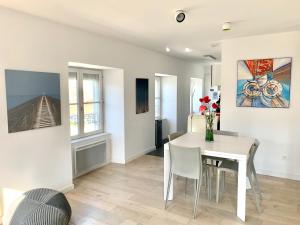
209	133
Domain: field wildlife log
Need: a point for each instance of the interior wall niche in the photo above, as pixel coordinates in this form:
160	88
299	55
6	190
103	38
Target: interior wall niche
142	95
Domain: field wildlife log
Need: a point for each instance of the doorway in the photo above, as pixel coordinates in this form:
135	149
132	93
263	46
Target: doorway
165	109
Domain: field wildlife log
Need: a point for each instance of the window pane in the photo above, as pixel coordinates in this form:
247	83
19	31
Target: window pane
91	88
91	117
74	120
73	87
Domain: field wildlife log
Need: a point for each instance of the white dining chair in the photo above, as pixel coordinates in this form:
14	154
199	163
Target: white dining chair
232	166
186	162
174	135
197	123
205	172
227	133
212	162
171	137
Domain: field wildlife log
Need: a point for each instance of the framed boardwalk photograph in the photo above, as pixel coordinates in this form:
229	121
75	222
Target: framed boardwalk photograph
33	100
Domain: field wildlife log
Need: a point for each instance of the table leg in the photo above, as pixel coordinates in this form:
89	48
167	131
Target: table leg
166	173
241	196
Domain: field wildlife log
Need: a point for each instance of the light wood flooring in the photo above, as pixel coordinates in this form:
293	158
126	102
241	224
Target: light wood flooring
132	195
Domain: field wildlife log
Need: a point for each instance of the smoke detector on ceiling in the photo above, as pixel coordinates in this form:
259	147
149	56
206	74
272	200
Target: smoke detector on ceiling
226	26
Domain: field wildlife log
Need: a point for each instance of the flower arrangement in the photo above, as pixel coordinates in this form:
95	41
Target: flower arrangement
208	109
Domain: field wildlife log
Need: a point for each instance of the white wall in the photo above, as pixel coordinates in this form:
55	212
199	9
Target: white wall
169	102
183	95
277	129
113	80
216	78
43	157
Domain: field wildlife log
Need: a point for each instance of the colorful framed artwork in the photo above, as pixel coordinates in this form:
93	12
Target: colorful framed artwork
142	95
264	83
33	100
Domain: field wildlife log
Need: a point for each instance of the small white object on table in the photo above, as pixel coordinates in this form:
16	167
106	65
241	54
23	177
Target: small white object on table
228	147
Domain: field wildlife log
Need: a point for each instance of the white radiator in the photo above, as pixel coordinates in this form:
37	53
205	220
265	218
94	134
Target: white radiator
89	156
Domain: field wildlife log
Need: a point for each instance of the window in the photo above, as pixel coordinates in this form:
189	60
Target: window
157	98
86	102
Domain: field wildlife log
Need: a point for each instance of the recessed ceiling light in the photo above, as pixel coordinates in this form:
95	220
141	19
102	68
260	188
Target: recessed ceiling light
226	26
168	49
187	50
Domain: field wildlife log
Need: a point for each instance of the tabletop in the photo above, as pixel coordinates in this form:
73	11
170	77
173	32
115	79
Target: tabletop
223	146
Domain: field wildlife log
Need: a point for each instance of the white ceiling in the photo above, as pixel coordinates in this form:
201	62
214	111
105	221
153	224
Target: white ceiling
151	24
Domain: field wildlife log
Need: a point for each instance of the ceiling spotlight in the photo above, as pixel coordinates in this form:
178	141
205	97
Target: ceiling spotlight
187	50
226	26
179	16
168	49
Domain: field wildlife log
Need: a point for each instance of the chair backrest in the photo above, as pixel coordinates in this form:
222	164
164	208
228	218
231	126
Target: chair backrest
225	132
186	162
174	135
253	151
197	123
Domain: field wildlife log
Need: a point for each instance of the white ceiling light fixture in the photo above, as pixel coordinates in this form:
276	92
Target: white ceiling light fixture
226	26
187	50
168	49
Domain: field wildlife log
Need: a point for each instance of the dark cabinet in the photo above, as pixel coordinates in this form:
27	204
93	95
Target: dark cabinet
158	133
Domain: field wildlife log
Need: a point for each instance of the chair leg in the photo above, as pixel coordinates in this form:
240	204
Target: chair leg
223	181
254	192
198	184
208	183
205	175
218	186
168	189
256	181
185	187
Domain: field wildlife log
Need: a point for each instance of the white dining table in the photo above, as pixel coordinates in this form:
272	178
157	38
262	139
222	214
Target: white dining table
228	147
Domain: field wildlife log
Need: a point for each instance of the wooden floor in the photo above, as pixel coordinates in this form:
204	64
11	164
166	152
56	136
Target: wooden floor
132	195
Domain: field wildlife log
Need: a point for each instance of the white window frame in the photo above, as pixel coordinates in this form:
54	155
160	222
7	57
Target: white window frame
79	72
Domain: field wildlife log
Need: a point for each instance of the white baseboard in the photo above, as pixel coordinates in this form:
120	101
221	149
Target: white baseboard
131	158
279	174
66	188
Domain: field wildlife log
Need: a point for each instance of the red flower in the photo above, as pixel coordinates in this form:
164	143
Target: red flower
206	99
202	108
201	100
214	106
